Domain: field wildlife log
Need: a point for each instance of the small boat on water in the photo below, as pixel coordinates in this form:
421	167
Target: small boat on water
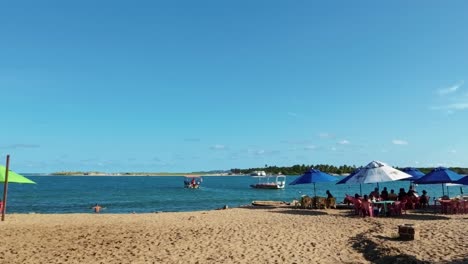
258	173
192	182
270	182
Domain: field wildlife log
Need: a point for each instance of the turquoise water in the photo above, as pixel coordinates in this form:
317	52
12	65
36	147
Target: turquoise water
55	194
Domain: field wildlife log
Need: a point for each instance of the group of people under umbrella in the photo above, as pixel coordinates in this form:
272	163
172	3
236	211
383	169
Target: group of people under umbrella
377	172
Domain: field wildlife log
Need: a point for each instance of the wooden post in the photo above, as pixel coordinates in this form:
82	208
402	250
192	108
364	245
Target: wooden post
5	187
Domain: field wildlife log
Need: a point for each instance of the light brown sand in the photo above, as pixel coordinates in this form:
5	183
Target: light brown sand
243	235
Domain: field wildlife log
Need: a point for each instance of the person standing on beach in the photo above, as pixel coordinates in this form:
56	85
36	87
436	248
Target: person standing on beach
97	208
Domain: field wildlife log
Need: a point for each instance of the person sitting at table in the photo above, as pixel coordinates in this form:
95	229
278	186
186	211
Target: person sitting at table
424	199
330	202
402	194
392	195
384	194
375	193
412	192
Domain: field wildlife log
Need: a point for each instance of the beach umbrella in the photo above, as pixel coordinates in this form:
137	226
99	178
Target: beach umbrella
415	174
375	172
439	175
313	176
7	176
345	179
463	180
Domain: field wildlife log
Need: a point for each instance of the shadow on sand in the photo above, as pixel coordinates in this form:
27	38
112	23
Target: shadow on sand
380	255
287	210
422	216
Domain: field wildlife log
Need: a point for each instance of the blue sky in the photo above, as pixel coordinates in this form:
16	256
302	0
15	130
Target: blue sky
202	85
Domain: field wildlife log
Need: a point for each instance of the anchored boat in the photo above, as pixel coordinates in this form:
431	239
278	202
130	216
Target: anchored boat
193	182
270	182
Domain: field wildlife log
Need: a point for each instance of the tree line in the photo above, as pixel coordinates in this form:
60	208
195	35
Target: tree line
331	169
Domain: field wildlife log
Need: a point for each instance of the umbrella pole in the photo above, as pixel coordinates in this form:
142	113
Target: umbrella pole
443	190
314	191
5	187
360	188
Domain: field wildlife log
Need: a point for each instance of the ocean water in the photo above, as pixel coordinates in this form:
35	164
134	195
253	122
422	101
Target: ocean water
144	194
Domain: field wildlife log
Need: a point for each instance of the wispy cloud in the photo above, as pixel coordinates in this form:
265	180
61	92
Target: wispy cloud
326	135
451	107
292	114
453	151
20	146
399	142
218	147
451	89
344	142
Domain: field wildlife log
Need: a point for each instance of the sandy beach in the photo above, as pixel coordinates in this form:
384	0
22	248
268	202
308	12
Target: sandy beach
239	235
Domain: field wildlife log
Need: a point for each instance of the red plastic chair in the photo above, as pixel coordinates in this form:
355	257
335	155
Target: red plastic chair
454	207
403	207
357	206
367	209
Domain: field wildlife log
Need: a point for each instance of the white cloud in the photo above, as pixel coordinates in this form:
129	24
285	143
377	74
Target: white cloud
459	106
399	142
344	142
451	107
333	149
218	147
260	152
292	114
20	146
450	89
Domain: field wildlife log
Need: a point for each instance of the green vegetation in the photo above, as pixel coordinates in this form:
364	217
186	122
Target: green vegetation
300	169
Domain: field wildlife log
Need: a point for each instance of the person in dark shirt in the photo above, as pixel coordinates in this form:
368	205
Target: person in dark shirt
424	199
384	194
402	194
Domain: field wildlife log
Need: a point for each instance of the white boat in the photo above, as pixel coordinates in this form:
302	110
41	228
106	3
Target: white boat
270	182
258	173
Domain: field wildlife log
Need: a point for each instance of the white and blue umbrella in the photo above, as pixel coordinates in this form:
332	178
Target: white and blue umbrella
376	172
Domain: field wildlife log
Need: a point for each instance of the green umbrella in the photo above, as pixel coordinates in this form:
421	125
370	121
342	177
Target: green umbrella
13	176
7	176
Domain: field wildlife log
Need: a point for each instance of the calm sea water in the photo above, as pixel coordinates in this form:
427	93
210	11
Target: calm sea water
55	194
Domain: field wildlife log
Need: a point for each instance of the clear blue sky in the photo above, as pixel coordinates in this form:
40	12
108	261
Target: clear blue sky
201	85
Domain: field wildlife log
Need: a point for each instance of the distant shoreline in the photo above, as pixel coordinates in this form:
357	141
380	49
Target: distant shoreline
138	174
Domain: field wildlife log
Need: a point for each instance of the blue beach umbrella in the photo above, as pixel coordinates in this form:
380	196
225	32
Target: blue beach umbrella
439	175
415	174
463	181
345	179
313	176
